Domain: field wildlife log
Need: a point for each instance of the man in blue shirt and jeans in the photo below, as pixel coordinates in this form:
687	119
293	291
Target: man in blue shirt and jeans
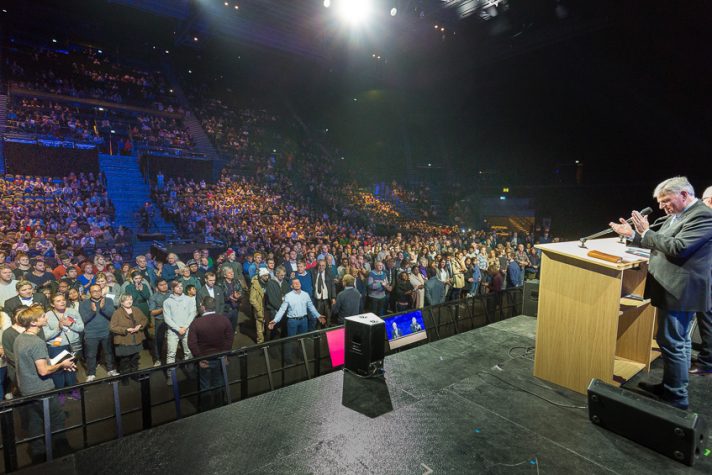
297	305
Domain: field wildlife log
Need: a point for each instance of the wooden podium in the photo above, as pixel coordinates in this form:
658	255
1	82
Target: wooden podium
586	328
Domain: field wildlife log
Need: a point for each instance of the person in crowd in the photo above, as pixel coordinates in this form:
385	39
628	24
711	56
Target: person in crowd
277	287
5	324
39	275
215	291
298	307
22	266
170	268
418	283
257	301
515	274
186	278
378	285
209	334
434	289
155	306
73	299
404	292
8	284
62	333
8	340
473	278
324	286
127	324
96	313
232	290
179	310
34	372
348	302
87	277
305	278
148	274
25	296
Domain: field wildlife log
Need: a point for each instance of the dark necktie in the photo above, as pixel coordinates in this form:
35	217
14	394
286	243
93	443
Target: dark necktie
320	285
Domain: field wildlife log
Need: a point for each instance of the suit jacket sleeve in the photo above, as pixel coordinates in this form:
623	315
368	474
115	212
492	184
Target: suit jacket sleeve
695	232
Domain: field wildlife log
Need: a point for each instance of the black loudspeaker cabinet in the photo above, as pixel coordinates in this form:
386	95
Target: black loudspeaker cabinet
678	434
530	298
365	343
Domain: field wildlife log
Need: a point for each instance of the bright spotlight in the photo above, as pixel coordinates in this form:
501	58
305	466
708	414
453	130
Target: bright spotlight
394	11
354	11
327	3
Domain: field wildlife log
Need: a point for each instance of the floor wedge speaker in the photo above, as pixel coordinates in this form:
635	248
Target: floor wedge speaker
678	434
365	343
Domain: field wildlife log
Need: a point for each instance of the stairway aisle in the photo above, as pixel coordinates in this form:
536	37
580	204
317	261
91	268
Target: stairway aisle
3	123
128	192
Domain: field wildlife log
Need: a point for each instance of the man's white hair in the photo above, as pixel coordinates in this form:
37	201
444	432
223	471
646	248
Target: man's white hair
707	193
674	185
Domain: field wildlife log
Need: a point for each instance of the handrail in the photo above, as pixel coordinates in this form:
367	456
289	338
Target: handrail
451	315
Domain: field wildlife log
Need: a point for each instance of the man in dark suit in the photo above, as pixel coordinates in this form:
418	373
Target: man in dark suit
348	302
26	296
324	289
704	321
679	279
212	290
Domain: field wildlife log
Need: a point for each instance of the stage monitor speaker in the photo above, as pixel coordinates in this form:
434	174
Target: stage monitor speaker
530	298
678	434
365	343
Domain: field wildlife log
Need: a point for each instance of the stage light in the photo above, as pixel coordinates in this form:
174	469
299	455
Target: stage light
342	158
394	11
436	27
100	108
167	51
190	71
354	11
355	100
227	4
100	52
195	38
442	29
327	3
54	40
170	90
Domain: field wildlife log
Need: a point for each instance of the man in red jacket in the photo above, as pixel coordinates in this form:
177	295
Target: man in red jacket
210	334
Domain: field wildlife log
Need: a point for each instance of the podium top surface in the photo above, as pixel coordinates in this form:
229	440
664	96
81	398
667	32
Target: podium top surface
609	246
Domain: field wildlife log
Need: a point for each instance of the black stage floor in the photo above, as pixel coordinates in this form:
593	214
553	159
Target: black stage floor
437	409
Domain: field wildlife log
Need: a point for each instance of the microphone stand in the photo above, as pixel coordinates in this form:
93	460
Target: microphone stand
658	222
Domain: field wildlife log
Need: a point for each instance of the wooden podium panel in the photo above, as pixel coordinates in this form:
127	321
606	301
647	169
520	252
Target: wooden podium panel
585	328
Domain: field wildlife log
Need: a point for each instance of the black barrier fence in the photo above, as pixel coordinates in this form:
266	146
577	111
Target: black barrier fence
38	428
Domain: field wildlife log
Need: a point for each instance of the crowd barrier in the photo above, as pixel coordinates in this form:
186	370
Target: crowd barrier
113	407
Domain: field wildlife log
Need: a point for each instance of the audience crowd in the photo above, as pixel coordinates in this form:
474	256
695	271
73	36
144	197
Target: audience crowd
99	125
86	73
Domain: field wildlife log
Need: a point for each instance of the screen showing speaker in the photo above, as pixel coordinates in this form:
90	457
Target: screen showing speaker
405	328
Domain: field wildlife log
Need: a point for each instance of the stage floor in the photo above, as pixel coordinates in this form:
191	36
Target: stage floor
439	408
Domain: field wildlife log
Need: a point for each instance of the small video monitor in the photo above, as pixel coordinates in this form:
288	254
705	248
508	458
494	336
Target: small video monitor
405	328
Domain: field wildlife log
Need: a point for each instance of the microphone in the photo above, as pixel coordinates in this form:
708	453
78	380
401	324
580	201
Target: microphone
644	212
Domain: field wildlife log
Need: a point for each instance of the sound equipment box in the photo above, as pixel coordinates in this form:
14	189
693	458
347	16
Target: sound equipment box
365	343
530	298
678	434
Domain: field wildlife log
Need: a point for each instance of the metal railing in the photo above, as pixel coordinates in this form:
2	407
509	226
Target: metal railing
143	399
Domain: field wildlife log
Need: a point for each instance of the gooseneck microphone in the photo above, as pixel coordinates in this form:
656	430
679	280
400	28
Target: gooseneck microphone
644	212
